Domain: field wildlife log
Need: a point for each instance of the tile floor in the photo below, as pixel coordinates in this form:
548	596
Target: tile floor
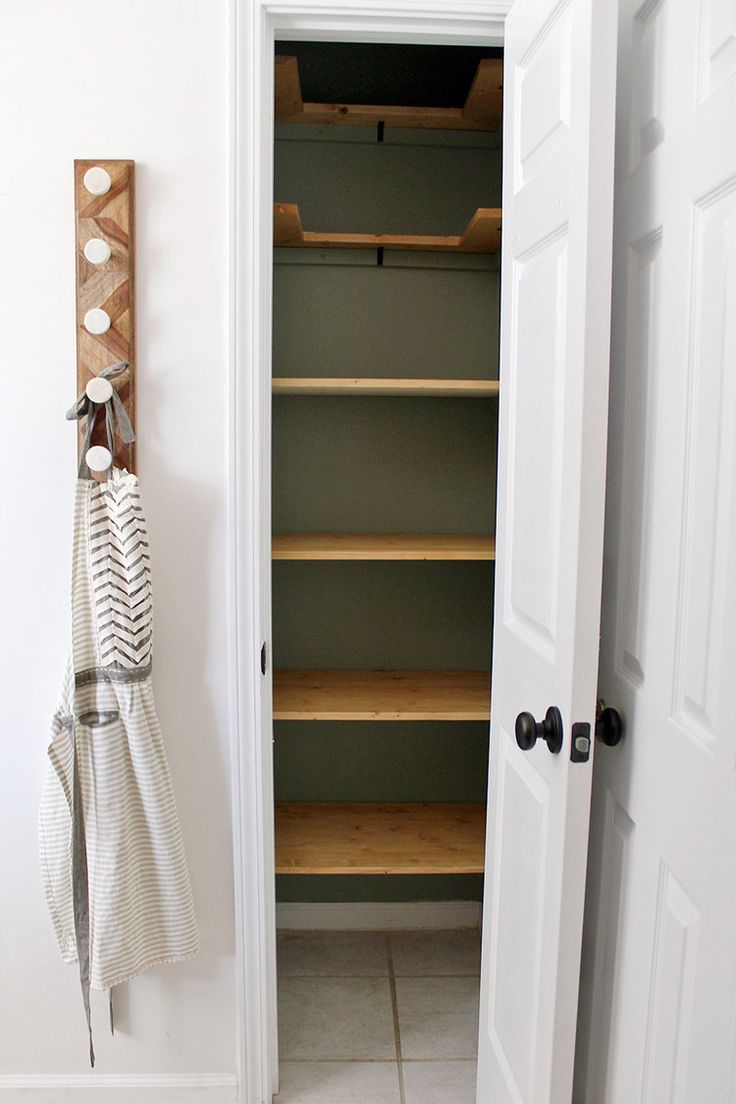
378	1017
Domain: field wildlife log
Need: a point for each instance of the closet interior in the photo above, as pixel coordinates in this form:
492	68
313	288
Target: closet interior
387	227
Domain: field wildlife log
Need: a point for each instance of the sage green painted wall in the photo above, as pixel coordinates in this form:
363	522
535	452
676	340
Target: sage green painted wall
390	615
354	318
403	185
383	464
367	761
416	887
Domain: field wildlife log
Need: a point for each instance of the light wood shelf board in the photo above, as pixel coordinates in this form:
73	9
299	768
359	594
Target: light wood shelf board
382	546
437	388
341	695
481	235
482	109
360	838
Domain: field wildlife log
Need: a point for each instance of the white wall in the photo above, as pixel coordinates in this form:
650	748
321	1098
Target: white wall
143	79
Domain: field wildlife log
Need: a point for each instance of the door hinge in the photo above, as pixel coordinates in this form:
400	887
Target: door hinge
263	658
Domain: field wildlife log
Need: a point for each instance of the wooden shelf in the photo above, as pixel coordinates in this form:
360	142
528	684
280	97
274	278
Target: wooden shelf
381	546
481	235
381	695
428	388
359	838
482	109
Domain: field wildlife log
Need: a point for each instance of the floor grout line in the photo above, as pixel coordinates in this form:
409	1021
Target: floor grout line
398	1058
404	977
395	1010
380	1061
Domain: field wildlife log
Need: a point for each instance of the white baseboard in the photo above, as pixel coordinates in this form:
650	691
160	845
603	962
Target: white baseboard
215	1088
376	916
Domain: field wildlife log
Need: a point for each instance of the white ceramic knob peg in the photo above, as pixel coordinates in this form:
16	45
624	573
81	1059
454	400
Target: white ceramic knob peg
97	180
97	321
98	458
98	390
97	251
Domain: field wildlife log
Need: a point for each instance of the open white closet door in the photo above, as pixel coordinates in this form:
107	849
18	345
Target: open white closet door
559	91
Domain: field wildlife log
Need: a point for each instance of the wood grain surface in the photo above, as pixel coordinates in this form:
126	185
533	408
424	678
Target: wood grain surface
110	286
382	546
482	109
341	695
363	838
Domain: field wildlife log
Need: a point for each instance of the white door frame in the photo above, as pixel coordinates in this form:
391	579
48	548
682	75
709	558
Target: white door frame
255	26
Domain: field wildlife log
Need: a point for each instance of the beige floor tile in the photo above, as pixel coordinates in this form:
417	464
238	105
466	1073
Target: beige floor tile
436	952
341	954
338	1083
439	1082
339	1018
438	1017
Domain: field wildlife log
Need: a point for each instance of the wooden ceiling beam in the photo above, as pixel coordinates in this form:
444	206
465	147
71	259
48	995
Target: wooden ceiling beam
481	235
288	88
484	105
482	109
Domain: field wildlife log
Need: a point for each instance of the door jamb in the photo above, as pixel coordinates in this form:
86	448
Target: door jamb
255	25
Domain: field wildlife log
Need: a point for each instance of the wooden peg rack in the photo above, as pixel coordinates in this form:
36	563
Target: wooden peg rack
109	286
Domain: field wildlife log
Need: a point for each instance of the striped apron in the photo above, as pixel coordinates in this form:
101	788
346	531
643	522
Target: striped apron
112	857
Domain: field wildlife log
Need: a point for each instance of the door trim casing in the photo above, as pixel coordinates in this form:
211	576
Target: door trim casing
254	26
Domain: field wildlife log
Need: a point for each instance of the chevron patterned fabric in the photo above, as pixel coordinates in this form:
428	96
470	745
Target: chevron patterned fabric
121	574
106	740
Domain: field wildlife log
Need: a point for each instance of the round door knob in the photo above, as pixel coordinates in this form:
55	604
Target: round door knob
528	730
609	727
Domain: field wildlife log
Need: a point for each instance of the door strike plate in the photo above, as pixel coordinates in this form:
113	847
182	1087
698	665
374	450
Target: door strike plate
580	743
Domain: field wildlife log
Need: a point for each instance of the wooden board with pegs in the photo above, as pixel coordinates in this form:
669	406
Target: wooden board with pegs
104	204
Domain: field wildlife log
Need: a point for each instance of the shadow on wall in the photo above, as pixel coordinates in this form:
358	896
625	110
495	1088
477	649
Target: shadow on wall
190	684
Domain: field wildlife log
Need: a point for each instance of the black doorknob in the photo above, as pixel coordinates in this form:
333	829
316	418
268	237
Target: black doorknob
528	730
609	727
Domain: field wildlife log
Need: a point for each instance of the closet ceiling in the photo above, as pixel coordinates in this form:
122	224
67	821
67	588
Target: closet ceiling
377	73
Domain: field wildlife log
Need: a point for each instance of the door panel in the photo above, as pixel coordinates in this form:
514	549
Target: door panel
558	184
542	92
709	463
522	807
658	1015
538	283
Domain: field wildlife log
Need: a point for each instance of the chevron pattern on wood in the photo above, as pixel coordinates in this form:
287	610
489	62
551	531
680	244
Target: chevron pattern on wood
110	286
121	575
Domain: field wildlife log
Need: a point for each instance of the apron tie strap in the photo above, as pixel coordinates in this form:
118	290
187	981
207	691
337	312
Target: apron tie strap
115	415
80	881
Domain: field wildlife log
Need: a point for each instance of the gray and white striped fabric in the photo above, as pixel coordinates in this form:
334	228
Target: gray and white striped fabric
139	900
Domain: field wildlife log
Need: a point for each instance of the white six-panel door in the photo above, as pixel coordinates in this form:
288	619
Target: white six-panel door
660	1024
558	185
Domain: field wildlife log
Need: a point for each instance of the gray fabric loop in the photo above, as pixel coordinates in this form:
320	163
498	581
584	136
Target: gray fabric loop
80	882
115	416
